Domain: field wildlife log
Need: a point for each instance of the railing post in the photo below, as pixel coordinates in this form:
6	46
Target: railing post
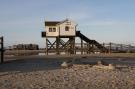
110	47
81	46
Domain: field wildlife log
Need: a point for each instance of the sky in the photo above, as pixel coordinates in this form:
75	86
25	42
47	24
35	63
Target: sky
22	21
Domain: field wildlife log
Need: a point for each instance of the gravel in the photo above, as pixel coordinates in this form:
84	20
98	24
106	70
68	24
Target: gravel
79	76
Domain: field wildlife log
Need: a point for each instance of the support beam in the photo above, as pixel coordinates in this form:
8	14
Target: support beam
104	46
51	45
81	46
110	47
2	49
46	46
72	45
121	47
88	48
67	47
92	48
57	45
64	46
129	48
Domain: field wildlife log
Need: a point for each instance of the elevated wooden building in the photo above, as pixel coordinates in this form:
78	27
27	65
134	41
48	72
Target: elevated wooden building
66	29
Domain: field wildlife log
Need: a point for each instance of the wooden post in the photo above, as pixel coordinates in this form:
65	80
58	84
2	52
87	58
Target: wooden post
88	48
110	47
92	48
81	46
129	48
46	46
72	45
74	52
121	46
57	45
104	46
2	50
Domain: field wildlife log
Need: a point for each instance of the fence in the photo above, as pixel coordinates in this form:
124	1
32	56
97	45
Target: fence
113	47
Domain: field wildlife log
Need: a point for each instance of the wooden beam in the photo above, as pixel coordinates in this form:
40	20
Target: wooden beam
81	46
57	45
46	46
2	49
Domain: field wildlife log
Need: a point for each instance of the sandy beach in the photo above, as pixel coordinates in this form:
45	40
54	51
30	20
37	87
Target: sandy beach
45	72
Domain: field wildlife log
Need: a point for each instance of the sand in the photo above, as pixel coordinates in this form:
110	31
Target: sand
40	72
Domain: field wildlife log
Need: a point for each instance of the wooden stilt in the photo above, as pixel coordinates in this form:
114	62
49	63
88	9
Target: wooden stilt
81	46
57	45
46	46
2	49
110	47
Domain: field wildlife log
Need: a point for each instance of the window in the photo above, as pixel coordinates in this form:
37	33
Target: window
66	28
50	29
54	29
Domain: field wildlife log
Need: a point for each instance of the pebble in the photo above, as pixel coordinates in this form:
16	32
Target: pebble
76	77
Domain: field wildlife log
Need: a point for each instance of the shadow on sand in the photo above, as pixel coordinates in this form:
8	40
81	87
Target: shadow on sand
42	64
30	64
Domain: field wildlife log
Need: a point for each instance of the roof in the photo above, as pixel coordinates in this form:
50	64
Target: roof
54	23
62	21
51	23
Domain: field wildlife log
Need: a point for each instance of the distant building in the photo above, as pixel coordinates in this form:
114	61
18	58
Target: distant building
25	47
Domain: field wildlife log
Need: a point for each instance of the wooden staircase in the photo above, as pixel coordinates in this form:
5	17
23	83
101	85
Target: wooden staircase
94	42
